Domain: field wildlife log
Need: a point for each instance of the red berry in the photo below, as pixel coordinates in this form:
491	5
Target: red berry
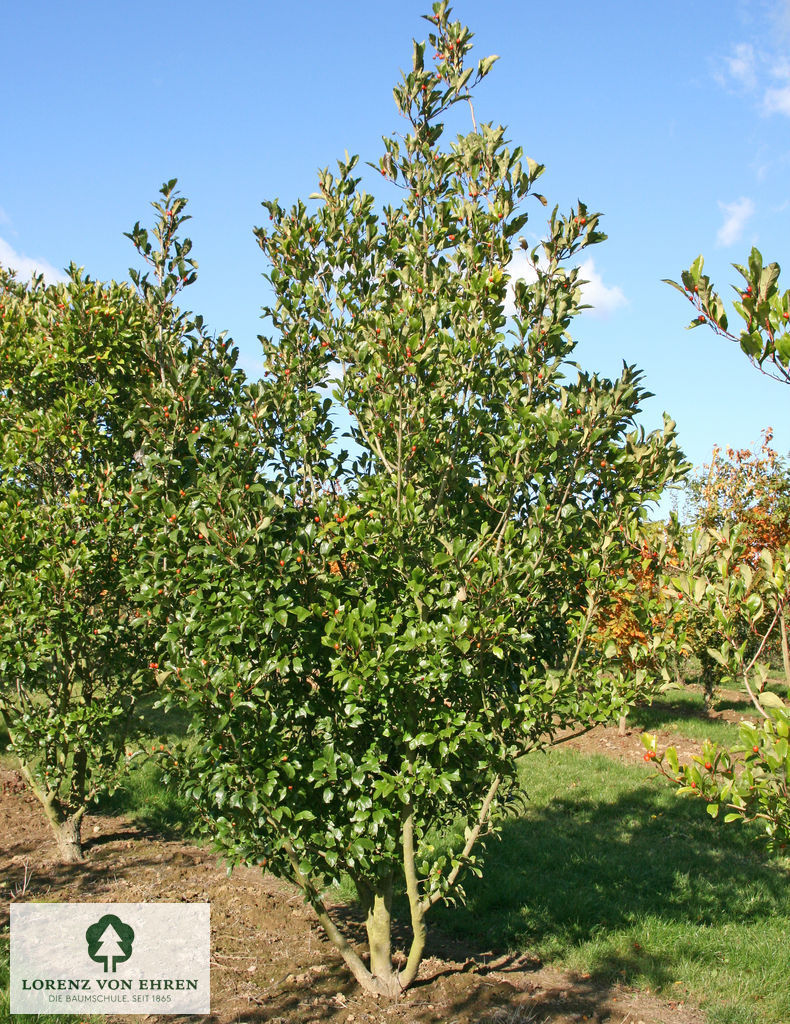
756	750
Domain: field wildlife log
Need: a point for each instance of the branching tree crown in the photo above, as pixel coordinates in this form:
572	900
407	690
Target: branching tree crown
369	641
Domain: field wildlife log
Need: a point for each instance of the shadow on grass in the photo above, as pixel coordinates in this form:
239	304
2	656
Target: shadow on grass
744	706
665	714
587	870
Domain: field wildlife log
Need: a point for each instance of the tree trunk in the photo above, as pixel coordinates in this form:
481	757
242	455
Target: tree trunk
378	924
378	907
785	648
708	680
68	835
67	828
622	725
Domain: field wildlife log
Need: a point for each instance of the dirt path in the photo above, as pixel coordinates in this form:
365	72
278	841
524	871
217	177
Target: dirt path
270	959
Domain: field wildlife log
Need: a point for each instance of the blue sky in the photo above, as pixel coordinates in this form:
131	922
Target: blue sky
672	119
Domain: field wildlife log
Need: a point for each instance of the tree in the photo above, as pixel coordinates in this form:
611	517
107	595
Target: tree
368	641
109	941
83	363
750	490
68	654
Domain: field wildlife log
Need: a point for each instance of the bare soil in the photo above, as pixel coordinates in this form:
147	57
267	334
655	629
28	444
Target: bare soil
271	961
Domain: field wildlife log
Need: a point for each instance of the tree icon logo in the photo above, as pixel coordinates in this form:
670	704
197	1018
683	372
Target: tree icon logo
109	941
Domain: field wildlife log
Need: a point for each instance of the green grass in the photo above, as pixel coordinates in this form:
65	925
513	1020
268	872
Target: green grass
7	759
144	798
682	711
612	874
28	1018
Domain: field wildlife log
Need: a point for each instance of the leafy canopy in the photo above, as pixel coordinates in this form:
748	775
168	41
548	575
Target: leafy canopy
368	639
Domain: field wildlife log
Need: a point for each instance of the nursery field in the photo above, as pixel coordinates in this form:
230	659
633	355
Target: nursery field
322	621
608	899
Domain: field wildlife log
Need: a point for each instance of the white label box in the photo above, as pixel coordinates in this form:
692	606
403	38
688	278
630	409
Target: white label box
111	958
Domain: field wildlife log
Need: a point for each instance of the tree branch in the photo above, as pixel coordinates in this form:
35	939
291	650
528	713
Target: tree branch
482	818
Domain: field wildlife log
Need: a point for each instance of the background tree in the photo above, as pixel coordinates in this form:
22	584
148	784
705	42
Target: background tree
367	642
84	363
736	573
750	781
645	620
70	661
750	490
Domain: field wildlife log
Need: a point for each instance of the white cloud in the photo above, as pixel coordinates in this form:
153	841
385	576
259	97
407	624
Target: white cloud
602	298
777	101
26	266
737	214
753	69
520	267
741	65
